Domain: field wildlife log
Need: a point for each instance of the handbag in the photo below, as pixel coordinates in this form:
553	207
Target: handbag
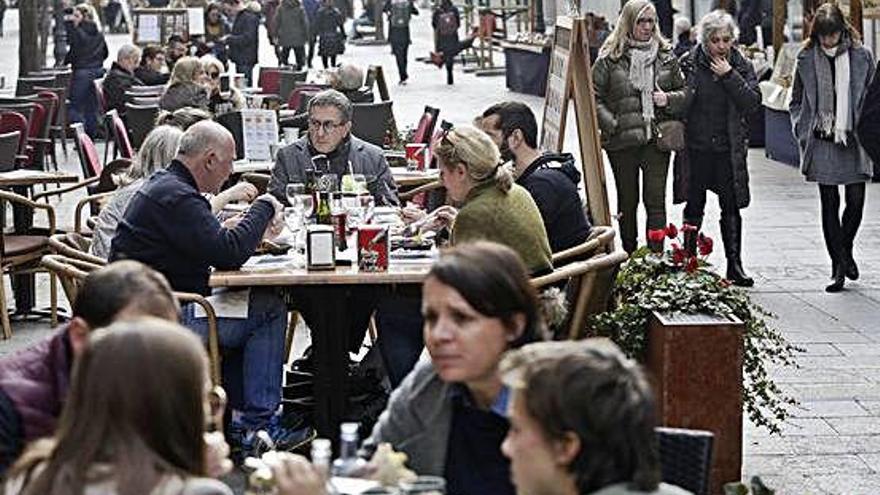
670	135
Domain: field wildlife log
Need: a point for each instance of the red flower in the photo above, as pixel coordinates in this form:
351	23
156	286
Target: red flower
704	244
656	235
671	231
691	266
678	254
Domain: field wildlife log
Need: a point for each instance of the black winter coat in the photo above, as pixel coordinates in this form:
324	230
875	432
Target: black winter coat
151	77
88	49
869	121
741	87
116	83
243	41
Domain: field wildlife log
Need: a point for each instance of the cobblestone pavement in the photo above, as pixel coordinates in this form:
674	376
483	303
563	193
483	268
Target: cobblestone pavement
832	443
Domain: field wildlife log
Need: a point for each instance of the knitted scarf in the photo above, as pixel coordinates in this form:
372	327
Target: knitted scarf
642	55
834	114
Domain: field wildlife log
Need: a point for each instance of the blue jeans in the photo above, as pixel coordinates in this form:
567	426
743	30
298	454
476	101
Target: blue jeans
260	337
83	101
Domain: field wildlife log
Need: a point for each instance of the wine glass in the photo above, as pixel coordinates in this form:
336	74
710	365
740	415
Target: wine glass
294	189
308	204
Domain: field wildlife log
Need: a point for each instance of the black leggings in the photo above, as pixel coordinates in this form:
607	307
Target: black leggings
840	232
328	61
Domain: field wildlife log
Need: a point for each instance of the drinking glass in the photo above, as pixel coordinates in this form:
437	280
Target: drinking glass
354	183
292	190
308	204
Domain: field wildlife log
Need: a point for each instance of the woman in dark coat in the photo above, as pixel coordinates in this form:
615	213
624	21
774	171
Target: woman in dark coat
88	50
292	32
722	92
833	72
329	26
399	12
445	21
869	123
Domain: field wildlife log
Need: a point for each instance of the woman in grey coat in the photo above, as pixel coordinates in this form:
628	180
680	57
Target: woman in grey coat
833	72
638	83
291	31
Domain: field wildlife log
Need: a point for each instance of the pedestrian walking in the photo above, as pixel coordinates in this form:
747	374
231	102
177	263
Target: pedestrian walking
243	41
638	84
399	13
833	72
311	7
292	31
722	92
445	21
869	123
87	53
330	27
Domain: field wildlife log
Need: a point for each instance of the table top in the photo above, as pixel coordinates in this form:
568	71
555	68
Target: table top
397	273
22	177
245	166
402	176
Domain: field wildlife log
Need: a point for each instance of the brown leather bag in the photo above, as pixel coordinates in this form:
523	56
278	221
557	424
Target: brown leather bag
670	135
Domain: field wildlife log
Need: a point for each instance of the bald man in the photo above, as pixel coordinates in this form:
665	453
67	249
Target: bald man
169	225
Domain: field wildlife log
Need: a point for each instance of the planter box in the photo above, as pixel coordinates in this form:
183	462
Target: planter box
695	363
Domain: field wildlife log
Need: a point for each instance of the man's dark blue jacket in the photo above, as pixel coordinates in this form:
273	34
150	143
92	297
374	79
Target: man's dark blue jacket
169	226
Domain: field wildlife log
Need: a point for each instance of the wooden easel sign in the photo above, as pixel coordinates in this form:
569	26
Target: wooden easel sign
375	75
570	77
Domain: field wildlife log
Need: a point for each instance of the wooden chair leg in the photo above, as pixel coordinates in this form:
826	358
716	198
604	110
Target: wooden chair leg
4	311
53	299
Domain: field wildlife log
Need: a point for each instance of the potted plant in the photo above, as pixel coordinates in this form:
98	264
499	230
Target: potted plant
680	280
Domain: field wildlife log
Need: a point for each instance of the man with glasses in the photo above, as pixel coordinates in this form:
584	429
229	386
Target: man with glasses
329	148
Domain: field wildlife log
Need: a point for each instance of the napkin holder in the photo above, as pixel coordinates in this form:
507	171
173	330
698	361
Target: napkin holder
321	247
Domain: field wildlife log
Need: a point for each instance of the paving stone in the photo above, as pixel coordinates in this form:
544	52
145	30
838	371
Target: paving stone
830	409
855	426
808	464
814	376
837	392
841	484
820	349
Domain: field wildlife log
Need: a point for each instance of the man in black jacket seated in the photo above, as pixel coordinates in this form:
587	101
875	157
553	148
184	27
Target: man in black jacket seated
121	77
551	179
169	225
152	63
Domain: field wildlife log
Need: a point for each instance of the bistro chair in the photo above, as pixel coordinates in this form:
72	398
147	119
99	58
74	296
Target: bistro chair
15	122
372	121
425	127
601	238
70	272
9	143
140	119
58	127
685	458
156	90
588	290
100	96
287	81
118	137
269	80
21	254
26	85
145	100
35	114
54	102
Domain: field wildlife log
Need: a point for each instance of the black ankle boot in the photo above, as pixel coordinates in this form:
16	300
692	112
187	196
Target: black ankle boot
731	235
851	269
839	279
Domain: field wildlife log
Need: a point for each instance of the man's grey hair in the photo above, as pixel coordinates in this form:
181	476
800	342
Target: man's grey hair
332	98
157	151
717	21
128	51
349	77
201	137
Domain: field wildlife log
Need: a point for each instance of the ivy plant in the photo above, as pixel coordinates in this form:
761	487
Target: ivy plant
677	281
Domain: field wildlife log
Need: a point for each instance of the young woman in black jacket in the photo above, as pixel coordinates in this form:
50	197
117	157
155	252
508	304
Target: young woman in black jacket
87	53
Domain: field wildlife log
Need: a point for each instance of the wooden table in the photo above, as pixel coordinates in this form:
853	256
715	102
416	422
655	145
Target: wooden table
331	302
23	178
410	179
246	166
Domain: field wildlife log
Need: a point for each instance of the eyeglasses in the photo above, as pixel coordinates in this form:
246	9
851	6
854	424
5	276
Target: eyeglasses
214	75
722	39
646	20
327	125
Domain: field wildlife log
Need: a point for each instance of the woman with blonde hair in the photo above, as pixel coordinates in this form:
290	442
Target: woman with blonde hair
492	206
188	86
638	85
87	53
218	101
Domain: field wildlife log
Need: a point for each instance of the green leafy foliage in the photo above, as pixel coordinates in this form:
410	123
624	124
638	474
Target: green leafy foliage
654	282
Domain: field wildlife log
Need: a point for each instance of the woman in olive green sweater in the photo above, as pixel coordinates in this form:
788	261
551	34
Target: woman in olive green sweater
492	207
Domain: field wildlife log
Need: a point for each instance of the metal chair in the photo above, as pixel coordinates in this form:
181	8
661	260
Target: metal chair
686	458
425	127
287	81
269	80
9	143
140	119
146	100
601	239
26	85
58	127
118	137
372	121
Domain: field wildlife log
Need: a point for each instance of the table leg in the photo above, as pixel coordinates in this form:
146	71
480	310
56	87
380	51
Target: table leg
23	286
333	313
